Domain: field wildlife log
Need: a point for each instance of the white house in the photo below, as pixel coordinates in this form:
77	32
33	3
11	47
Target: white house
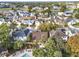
68	13
60	13
1	21
70	5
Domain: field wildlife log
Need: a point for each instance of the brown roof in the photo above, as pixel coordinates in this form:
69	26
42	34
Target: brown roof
39	35
29	17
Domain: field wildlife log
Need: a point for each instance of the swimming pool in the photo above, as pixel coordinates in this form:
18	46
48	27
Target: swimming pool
25	55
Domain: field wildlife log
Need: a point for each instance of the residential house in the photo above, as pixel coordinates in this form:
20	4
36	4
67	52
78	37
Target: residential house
3	52
60	34
37	8
38	35
68	13
70	5
26	6
78	5
21	34
60	13
2	21
58	20
28	22
46	8
23	13
56	8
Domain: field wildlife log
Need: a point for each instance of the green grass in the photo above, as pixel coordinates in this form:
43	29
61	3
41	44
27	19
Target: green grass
5	9
25	9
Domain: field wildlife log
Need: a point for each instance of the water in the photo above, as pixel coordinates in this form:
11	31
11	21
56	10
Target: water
25	55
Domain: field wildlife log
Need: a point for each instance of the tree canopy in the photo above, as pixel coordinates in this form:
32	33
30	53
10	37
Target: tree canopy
47	26
18	44
4	35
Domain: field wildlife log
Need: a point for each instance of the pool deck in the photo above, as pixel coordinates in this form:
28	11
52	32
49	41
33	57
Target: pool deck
21	53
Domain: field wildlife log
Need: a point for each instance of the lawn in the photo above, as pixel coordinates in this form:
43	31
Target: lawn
25	9
5	9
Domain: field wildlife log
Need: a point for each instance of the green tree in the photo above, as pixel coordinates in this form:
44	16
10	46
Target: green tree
39	52
18	44
50	43
63	7
4	35
77	15
73	43
57	54
47	26
49	52
30	8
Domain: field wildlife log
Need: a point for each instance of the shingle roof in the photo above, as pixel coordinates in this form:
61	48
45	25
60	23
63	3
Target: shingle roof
59	33
19	34
2	49
39	35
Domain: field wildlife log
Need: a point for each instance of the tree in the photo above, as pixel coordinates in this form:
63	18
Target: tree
4	35
57	54
63	7
49	52
50	49
77	15
47	11
47	26
39	52
18	44
30	8
73	43
50	43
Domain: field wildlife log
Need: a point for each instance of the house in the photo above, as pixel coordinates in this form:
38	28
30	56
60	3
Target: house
46	8
21	34
78	5
68	13
56	7
58	20
39	35
3	52
2	21
70	5
37	8
26	6
60	34
23	13
68	19
28	22
60	13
